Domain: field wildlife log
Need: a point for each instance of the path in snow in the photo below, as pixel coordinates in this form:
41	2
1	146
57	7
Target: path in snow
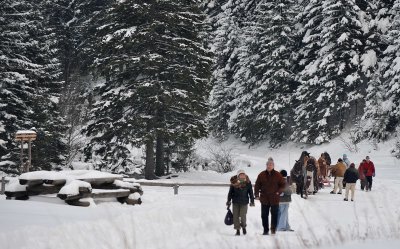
194	218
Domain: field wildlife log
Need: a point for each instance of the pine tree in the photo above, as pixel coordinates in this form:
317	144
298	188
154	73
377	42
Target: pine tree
331	82
390	76
370	124
240	120
38	72
265	105
156	86
16	87
74	31
224	41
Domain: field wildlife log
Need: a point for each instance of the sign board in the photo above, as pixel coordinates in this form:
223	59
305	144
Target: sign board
25	135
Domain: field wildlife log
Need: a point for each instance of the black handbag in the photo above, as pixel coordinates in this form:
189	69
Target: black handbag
229	217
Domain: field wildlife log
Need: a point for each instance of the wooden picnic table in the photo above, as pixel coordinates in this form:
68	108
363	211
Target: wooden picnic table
93	186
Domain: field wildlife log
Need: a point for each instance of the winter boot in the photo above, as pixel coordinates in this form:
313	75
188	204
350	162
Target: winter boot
265	232
244	231
332	192
345	199
237	232
273	231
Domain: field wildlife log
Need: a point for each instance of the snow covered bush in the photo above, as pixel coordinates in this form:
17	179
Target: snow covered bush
396	150
349	140
221	158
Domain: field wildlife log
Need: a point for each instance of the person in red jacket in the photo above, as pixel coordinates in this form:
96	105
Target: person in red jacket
361	173
370	172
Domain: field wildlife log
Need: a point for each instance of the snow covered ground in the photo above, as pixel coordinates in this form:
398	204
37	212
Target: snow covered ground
194	217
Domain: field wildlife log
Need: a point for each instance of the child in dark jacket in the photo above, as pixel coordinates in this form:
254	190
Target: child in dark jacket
240	192
284	201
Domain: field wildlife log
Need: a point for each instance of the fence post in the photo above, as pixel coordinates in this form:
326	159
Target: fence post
3	185
176	189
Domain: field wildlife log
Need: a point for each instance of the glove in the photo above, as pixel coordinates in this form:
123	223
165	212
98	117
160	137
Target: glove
373	174
252	204
228	203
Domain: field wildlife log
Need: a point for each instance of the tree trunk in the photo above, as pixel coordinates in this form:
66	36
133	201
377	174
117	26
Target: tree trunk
149	168
160	169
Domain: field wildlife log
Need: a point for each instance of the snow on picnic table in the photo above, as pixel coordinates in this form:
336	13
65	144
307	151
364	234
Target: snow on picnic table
68	174
14	186
25	132
194	217
72	188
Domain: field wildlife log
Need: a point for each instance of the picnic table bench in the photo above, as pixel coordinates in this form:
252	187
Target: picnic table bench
74	188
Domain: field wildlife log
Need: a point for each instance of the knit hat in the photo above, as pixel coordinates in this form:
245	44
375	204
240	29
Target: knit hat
352	165
283	173
240	171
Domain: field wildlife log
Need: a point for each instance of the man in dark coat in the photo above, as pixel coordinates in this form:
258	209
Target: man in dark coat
269	185
350	177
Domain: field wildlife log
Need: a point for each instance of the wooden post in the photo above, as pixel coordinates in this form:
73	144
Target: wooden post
3	185
176	187
30	155
22	156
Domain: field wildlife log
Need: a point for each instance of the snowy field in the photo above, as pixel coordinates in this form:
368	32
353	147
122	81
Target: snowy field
194	217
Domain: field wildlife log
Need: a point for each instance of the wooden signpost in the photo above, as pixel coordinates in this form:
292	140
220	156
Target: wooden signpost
28	136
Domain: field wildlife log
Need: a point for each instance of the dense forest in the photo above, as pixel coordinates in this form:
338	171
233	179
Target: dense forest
97	79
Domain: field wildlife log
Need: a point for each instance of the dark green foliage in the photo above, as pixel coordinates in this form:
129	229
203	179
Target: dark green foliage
30	80
156	68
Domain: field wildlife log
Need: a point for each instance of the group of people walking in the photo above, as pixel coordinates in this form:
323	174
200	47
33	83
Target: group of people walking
310	175
346	176
271	188
274	189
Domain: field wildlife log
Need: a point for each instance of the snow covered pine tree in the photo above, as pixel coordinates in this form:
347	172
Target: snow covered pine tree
156	84
28	85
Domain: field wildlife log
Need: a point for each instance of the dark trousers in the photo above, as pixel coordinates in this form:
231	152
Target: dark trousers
265	214
369	182
300	186
363	183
